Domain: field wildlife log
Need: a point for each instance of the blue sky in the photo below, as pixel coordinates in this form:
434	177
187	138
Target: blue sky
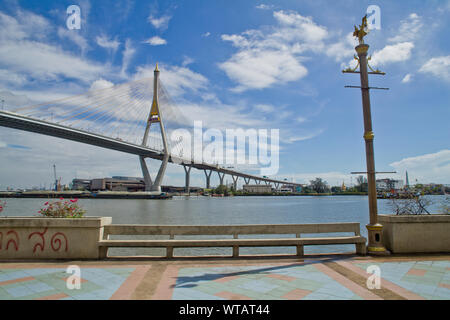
255	64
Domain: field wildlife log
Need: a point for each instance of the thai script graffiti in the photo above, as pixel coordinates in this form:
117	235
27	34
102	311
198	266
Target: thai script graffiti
58	241
41	235
11	238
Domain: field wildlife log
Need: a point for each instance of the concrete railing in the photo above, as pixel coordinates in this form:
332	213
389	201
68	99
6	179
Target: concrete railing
233	230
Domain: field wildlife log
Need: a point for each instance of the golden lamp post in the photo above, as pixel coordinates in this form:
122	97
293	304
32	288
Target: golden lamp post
375	244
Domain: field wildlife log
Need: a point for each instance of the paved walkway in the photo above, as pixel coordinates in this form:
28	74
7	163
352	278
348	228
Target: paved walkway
332	277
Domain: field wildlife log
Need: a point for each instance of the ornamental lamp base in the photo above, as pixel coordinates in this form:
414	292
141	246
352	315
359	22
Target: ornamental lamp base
375	245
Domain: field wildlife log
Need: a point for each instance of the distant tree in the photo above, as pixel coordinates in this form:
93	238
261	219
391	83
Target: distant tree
361	183
319	185
221	190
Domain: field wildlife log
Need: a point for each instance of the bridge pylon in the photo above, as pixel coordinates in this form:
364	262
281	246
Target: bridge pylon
155	117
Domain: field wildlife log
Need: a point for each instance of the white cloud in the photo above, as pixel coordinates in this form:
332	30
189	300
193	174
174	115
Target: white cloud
45	62
407	78
12	100
101	84
127	55
439	67
75	37
392	53
40	96
264	108
269	56
409	29
256	69
343	49
206	34
177	80
299	27
263	6
107	43
308	136
427	168
187	61
12	78
301	119
156	41
11	28
24	56
161	22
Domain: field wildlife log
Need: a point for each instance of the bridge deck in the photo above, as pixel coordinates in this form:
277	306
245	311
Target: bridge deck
20	122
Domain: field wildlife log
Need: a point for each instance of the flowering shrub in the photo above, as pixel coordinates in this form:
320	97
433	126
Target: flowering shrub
62	209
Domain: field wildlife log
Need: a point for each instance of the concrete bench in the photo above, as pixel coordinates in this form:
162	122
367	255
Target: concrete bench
233	230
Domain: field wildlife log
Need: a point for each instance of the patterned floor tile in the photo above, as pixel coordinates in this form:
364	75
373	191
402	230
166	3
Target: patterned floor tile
420	277
260	282
50	283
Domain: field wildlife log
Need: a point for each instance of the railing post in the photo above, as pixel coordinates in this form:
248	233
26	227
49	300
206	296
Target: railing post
169	252
235	248
102	252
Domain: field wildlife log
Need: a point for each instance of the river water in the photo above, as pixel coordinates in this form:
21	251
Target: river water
228	210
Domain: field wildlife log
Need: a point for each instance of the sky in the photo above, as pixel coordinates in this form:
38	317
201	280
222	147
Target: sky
248	64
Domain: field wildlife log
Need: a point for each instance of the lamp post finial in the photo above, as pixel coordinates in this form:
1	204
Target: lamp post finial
362	31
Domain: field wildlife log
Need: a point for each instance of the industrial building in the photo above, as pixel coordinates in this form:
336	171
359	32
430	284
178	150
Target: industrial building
117	183
389	184
130	184
257	188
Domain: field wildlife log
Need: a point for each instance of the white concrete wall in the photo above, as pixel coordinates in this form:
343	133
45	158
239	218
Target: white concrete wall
416	233
50	238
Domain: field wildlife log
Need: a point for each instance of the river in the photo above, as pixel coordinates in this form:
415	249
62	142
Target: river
228	210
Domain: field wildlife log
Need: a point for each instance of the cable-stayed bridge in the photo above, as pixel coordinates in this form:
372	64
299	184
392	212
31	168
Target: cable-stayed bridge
118	118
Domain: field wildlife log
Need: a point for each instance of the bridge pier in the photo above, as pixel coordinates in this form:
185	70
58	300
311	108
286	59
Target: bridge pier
277	185
208	178
147	179
247	180
257	181
158	181
221	177
187	170
235	180
155	117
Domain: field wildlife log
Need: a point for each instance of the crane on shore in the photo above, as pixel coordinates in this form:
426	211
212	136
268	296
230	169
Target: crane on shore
57	181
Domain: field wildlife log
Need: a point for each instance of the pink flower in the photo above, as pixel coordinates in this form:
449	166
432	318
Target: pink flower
45	204
73	201
61	198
